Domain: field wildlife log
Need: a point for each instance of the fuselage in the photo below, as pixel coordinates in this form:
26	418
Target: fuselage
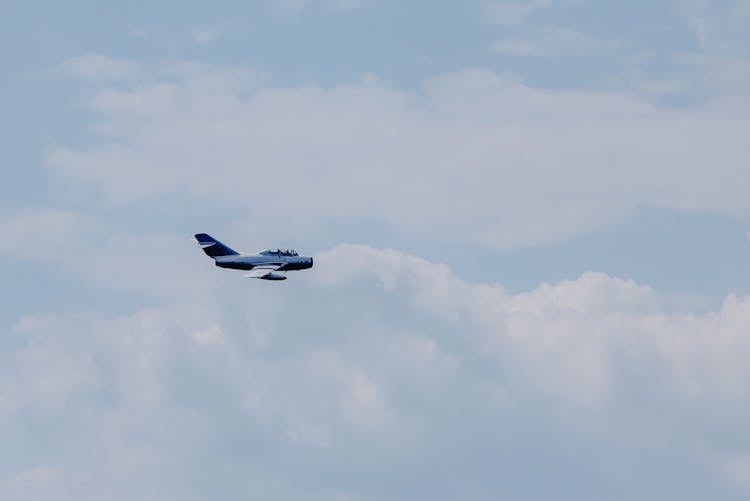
250	261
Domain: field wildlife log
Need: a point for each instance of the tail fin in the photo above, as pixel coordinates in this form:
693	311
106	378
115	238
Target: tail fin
213	247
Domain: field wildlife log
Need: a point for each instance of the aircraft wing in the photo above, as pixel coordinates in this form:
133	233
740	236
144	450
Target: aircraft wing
263	271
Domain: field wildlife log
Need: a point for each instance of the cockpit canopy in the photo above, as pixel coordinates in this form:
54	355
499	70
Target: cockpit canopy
278	252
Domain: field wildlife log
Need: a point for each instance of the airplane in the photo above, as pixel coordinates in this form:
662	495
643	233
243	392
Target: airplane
262	265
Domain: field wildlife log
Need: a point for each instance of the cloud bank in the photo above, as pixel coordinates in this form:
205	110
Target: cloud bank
380	362
474	157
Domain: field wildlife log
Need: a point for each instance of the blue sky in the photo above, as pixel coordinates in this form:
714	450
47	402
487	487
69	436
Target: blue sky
530	225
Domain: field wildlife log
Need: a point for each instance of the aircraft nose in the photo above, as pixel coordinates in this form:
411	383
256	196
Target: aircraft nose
311	262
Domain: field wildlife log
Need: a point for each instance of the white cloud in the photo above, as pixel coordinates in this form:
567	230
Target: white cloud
386	358
100	68
293	5
96	253
566	336
726	74
509	13
35	234
209	337
720	27
536	165
361	398
692	75
205	34
44	377
299	6
549	42
174	38
345	5
41	475
737	470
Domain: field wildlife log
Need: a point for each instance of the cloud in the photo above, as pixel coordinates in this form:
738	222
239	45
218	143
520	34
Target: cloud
299	6
538	165
294	5
569	335
737	470
550	42
100	68
389	363
97	253
205	35
719	27
510	13
35	234
345	5
717	72
690	75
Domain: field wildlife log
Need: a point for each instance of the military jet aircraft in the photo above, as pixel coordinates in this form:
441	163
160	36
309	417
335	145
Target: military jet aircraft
262	265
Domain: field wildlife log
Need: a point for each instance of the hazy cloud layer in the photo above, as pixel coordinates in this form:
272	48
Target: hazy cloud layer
549	42
475	156
300	6
510	13
375	377
132	368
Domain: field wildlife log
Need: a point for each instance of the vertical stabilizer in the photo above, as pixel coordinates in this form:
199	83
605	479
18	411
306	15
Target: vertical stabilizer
213	247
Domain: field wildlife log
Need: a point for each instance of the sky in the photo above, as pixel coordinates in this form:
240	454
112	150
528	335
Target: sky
530	224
